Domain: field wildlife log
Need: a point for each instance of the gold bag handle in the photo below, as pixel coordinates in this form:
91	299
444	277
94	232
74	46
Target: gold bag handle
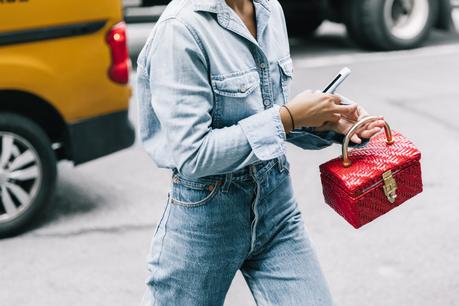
354	128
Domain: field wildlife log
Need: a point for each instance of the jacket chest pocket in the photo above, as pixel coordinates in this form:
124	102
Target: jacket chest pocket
237	96
286	74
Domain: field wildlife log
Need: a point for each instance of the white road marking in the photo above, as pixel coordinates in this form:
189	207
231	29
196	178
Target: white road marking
346	59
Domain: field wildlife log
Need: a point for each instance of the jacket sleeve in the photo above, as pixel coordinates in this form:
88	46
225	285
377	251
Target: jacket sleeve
309	139
182	98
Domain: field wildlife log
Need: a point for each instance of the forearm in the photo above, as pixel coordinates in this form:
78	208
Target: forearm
258	137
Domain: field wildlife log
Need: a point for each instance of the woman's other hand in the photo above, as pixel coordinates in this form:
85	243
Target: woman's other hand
344	124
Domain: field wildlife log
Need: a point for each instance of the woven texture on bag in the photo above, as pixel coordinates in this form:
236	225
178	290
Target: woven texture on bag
372	202
370	162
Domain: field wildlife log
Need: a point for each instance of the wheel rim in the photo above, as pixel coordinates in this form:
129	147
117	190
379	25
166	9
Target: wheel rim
406	19
20	175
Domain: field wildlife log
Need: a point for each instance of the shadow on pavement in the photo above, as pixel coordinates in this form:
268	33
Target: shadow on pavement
75	195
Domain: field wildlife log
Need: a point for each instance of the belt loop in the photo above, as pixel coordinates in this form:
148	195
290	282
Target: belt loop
280	164
253	171
227	183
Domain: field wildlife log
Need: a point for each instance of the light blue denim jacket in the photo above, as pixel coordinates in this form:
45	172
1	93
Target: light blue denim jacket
209	92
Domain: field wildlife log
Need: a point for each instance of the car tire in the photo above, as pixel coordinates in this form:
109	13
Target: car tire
27	173
300	27
390	24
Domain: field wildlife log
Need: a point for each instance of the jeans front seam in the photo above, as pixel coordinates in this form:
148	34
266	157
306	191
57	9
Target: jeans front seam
253	228
163	214
161	248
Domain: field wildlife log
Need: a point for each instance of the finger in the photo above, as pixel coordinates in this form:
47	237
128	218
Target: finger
342	127
360	130
335	118
356	139
346	110
370	132
336	99
361	112
377	123
355	115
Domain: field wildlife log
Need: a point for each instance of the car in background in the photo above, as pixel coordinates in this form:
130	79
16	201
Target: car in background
64	94
371	24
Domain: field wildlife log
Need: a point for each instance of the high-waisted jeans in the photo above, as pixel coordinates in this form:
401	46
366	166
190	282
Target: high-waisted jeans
247	220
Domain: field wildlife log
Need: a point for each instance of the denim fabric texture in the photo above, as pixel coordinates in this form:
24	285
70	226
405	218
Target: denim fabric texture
246	220
209	95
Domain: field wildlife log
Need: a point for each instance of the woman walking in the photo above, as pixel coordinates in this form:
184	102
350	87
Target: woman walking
214	107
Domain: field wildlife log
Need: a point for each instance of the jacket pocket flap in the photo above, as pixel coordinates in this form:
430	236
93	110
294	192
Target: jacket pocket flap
286	66
236	86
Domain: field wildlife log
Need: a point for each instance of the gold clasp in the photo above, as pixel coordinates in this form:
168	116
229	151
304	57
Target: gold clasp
390	186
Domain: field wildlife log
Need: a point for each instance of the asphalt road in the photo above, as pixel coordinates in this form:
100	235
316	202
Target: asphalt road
91	247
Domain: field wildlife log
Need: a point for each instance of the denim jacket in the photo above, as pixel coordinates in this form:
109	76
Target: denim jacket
209	92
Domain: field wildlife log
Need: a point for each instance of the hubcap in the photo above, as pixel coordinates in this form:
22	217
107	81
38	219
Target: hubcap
20	175
406	19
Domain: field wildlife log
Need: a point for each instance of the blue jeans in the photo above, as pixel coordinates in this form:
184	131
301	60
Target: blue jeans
247	220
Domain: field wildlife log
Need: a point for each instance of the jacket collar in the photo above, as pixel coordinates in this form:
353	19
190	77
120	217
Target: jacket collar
212	6
218	6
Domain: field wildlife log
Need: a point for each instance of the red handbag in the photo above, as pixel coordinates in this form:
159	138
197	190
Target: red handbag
367	182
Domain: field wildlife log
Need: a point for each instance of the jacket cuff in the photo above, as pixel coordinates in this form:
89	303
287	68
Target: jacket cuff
265	133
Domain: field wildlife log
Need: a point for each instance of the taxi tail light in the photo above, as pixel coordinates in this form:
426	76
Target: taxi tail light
116	39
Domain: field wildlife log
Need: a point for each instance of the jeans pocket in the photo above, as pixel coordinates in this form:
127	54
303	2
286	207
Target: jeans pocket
192	193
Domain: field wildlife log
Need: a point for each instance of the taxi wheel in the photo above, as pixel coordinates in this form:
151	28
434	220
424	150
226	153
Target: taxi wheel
27	173
390	24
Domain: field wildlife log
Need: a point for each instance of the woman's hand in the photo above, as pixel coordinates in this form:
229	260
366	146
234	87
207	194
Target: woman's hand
309	109
344	124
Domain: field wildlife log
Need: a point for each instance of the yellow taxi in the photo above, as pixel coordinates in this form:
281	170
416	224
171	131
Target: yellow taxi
64	94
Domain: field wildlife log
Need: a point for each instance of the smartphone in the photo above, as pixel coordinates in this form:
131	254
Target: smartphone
342	75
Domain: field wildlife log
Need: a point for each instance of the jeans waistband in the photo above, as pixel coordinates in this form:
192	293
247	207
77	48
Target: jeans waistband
254	171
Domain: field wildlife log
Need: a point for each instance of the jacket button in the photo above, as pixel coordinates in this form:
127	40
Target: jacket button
175	180
243	88
262	65
266	102
210	187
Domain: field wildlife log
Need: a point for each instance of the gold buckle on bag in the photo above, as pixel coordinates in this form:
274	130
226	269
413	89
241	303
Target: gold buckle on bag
390	186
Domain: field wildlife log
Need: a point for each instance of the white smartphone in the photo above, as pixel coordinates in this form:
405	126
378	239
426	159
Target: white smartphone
331	88
342	75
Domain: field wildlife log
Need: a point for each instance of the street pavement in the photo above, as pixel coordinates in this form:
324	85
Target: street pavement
91	247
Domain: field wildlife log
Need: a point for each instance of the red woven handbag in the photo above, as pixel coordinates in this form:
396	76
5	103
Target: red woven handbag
367	182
